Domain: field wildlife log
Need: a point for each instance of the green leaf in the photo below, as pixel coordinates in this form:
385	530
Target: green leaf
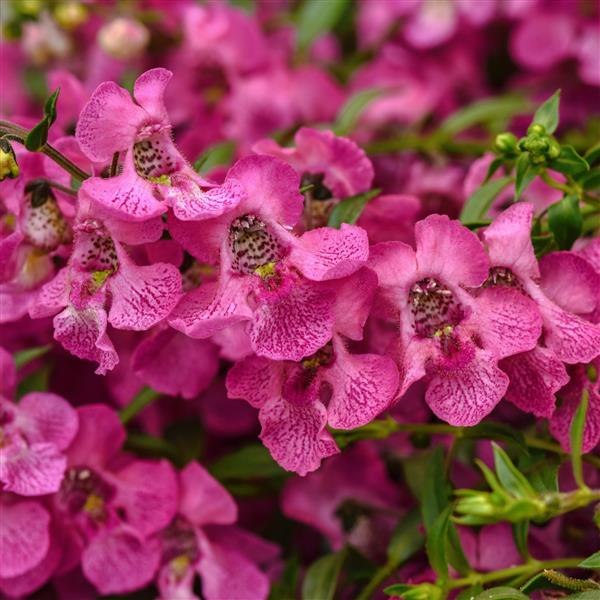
285	587
576	438
565	221
145	397
569	162
321	577
38	136
50	107
398	589
149	446
436	491
484	111
542	244
437	542
520	531
248	462
494	166
593	154
349	209
219	154
479	202
510	477
316	18
406	539
470	593
501	593
591	562
497	431
541	471
187	437
353	108
456	556
35	382
525	174
26	356
547	114
590	181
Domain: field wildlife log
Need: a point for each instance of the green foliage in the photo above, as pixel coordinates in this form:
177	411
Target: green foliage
501	593
26	356
509	476
576	438
38	136
526	172
591	562
479	202
565	221
250	462
547	114
215	156
321	578
437	537
407	538
353	108
569	162
145	397
349	209
316	18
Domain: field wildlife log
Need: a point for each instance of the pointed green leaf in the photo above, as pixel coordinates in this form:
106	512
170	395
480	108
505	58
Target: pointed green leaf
353	108
592	156
50	107
145	397
591	562
248	462
525	174
547	114
576	438
316	18
479	202
437	543
497	431
569	162
436	491
542	244
24	357
520	531
494	166
38	136
321	577
398	589
501	593
219	154
565	221
510	477
406	539
349	209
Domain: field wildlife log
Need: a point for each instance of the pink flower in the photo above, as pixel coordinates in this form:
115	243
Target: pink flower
102	285
155	175
335	166
33	436
446	334
563	287
30	552
282	286
296	400
35	231
349	500
491	549
202	539
111	504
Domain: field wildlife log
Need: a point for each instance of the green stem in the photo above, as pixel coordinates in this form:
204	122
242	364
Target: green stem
429	144
18	134
380	576
528	568
143	399
557	185
58	186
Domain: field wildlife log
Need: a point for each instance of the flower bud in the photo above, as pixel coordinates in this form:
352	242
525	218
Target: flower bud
69	15
553	149
506	143
8	161
424	591
123	38
536	129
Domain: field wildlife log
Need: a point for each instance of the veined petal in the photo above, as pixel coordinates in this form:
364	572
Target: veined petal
255	379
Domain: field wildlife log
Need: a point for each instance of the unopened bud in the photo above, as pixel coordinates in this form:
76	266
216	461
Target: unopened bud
70	15
553	149
424	591
506	143
8	161
536	129
123	38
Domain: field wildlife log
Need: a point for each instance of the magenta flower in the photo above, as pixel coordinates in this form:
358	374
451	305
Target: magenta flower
102	285
296	400
35	231
33	437
30	548
446	334
155	175
202	539
281	285
335	166
111	504
564	286
350	500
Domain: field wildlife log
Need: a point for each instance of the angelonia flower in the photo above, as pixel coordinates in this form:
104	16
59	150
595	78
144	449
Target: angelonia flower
285	313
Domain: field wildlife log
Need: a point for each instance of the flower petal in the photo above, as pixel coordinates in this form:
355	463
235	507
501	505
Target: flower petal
296	435
255	379
119	561
294	325
108	123
535	377
142	296
203	500
149	89
464	396
363	386
327	253
449	251
24	537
